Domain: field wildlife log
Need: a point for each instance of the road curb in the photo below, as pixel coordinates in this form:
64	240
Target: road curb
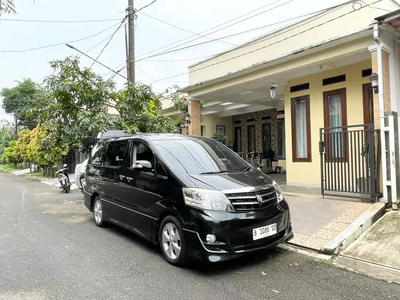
354	230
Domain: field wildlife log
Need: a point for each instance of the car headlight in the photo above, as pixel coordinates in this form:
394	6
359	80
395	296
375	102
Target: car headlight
279	193
206	199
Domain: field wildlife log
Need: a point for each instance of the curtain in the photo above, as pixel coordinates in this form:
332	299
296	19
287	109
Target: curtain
336	120
301	129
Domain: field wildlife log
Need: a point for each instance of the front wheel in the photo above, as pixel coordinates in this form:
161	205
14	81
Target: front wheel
172	241
98	212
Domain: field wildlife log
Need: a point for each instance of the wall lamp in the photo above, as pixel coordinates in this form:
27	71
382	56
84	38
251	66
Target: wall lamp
374	82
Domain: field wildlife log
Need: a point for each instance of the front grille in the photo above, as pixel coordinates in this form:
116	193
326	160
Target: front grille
253	200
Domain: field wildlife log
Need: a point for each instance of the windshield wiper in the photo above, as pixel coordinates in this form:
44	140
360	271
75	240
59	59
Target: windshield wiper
215	172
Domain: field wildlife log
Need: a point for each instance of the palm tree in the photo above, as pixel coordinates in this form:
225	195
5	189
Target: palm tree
7	6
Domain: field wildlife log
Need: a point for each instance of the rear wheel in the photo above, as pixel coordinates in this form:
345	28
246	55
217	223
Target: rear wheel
172	241
66	187
98	212
82	181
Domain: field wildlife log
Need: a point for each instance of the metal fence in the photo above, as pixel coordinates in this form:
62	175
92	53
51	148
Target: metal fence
349	161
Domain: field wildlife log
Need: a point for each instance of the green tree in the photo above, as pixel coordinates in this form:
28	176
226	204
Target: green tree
43	150
21	100
22	144
11	154
139	110
5	138
81	100
7	6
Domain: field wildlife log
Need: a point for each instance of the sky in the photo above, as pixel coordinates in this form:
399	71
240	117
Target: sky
150	34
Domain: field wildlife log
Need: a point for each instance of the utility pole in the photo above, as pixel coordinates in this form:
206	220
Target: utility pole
131	31
127	50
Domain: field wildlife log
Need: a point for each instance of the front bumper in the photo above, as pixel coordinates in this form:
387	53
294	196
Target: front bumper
234	232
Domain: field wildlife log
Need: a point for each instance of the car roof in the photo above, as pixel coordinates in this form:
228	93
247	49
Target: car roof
154	137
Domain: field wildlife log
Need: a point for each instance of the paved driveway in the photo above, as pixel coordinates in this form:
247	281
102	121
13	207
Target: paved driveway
50	249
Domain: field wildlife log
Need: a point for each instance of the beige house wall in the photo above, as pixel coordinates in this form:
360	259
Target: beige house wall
296	170
321	28
285	69
210	123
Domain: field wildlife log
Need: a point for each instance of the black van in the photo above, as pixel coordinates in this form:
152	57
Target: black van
193	196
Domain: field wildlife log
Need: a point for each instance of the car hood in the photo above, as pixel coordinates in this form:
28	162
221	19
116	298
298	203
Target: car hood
230	181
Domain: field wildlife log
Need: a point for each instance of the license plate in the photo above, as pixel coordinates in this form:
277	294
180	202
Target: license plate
263	232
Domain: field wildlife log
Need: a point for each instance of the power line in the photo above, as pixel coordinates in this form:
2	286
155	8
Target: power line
58	21
180	28
145	73
58	44
184	59
146	6
207	30
105	46
72	47
246	31
263	47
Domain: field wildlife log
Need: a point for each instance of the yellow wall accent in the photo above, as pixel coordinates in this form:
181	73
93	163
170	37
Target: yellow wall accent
322	27
210	123
309	173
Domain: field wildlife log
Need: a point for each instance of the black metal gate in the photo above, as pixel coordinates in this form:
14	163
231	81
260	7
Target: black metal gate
349	161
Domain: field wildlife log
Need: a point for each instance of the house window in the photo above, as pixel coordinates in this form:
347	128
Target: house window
251	138
301	136
202	130
281	139
335	118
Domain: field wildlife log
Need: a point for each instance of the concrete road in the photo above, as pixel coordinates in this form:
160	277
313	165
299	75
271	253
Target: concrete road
51	249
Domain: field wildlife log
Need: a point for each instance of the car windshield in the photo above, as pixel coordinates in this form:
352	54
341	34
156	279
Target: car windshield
200	156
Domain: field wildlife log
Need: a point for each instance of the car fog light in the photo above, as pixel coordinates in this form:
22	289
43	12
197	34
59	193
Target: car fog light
211	238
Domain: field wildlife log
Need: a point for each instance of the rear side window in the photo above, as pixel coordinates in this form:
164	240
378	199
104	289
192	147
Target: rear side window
116	153
96	158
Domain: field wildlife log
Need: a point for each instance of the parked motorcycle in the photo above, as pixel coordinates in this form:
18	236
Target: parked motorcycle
64	179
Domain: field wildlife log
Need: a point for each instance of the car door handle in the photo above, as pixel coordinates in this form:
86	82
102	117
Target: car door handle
122	177
129	179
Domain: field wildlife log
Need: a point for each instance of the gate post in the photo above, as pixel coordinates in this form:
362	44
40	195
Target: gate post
373	169
321	153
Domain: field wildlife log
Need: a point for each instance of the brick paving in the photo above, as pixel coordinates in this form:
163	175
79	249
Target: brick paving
317	221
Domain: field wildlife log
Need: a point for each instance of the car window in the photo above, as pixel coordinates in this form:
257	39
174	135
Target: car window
96	157
143	152
197	156
116	153
160	168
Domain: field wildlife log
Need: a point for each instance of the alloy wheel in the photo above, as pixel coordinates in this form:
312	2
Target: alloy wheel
171	241
98	212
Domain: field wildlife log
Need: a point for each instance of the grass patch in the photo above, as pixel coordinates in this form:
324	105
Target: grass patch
8	167
329	262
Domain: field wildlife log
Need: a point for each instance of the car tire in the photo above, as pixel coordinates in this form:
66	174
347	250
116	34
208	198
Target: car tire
98	212
172	241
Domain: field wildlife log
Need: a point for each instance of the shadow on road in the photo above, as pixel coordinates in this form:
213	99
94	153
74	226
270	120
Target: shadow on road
236	265
199	267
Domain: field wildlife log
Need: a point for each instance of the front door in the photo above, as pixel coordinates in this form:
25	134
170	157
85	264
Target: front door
238	139
368	102
251	138
266	137
142	187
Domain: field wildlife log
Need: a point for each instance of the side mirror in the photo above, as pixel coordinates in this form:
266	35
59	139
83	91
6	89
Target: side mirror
142	164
